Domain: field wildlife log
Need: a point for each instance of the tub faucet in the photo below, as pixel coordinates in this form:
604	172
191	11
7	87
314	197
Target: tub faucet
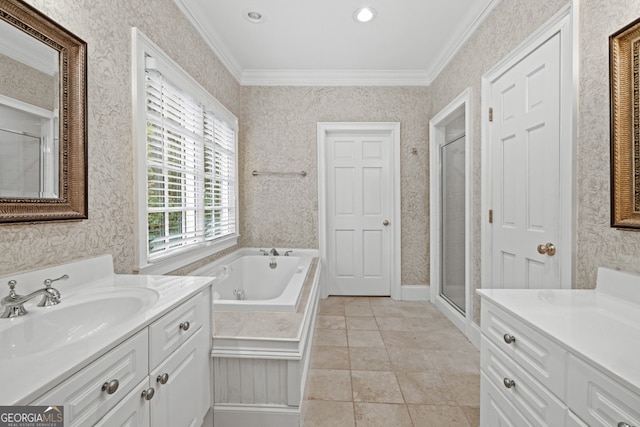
14	303
265	253
273	252
287	253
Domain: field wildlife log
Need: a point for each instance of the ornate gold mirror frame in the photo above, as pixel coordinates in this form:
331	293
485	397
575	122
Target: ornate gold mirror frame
71	203
624	73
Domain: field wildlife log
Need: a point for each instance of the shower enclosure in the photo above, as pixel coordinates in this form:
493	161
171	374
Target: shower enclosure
452	214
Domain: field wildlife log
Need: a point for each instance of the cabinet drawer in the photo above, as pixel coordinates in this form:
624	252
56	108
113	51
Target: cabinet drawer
169	332
539	356
82	396
537	404
598	399
132	411
495	409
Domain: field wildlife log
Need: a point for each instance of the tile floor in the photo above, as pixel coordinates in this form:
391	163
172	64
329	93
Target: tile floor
378	362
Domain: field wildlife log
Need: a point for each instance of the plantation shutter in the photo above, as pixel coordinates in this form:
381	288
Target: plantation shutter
191	163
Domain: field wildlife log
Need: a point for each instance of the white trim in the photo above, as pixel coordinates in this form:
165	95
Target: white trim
457	107
140	46
323	129
27	108
334	78
564	23
454	46
415	293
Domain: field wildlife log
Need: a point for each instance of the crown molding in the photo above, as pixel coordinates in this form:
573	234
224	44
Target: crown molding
334	78
452	49
215	43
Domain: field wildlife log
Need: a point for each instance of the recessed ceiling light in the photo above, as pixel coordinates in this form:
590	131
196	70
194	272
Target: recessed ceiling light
365	14
253	16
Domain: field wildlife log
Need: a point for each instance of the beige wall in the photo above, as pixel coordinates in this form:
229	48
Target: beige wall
278	133
106	27
27	84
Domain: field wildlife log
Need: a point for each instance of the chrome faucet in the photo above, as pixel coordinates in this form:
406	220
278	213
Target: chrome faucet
14	303
273	252
287	253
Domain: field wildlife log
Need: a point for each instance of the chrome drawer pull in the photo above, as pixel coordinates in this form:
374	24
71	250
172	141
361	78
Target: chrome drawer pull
148	393
509	338
111	386
509	383
185	326
623	424
162	379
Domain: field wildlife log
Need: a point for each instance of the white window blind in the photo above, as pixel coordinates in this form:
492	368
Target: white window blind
191	163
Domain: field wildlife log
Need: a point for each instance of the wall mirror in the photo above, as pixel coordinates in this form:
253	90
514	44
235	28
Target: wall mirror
624	72
43	132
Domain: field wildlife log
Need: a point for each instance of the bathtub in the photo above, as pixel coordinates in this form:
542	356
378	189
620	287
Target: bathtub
266	283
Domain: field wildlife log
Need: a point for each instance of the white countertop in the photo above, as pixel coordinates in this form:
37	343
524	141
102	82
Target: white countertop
600	328
25	378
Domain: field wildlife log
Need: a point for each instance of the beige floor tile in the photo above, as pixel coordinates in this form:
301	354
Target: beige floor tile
358	309
424	388
330	322
323	413
464	388
359	338
330	337
455	362
421	310
382	415
472	414
406	339
367	323
438	415
408	359
387	310
329	384
325	357
375	386
330	309
369	359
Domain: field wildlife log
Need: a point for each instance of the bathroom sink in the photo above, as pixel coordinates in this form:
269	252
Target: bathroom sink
79	316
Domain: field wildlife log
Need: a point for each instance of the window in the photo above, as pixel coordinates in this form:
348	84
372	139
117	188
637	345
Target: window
187	165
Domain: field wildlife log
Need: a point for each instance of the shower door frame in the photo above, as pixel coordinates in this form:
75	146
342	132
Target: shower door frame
460	105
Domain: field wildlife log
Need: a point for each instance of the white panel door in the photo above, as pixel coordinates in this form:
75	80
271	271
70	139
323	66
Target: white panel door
358	210
525	150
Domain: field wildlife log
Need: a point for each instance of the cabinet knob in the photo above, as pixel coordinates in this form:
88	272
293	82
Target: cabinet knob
162	379
509	338
623	424
111	386
148	393
185	326
509	383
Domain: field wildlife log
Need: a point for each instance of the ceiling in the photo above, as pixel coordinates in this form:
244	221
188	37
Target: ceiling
318	42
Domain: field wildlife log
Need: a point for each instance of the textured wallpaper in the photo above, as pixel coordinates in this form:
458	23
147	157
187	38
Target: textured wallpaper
24	83
278	133
106	27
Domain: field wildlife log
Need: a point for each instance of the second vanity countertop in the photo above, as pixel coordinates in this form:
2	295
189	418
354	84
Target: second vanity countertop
27	377
599	327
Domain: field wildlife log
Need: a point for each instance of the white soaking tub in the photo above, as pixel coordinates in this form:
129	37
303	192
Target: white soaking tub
250	281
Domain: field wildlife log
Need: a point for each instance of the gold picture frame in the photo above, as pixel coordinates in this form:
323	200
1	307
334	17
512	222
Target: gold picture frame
624	74
71	202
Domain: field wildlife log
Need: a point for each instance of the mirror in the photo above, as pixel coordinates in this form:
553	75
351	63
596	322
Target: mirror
43	166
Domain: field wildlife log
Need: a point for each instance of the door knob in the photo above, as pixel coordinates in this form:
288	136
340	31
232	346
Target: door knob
386	223
548	249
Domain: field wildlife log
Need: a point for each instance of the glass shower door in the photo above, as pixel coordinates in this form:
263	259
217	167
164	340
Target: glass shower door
452	277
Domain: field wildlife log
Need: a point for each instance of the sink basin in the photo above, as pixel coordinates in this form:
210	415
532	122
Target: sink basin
79	316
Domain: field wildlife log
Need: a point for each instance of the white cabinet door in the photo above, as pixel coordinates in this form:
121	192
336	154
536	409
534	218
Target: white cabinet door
132	411
179	401
495	409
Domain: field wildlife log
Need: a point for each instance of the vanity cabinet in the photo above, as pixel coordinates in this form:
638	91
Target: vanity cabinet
160	377
529	378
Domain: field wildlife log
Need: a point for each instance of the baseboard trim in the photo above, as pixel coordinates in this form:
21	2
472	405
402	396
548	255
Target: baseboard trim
415	293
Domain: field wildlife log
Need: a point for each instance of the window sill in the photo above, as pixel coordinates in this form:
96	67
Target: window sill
175	262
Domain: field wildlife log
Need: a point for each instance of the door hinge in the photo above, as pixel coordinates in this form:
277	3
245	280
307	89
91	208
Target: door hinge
490	216
490	114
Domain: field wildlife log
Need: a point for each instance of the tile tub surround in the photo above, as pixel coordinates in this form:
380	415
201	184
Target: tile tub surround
379	362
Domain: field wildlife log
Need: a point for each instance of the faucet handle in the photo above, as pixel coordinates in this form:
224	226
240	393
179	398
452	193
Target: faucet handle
12	289
48	282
